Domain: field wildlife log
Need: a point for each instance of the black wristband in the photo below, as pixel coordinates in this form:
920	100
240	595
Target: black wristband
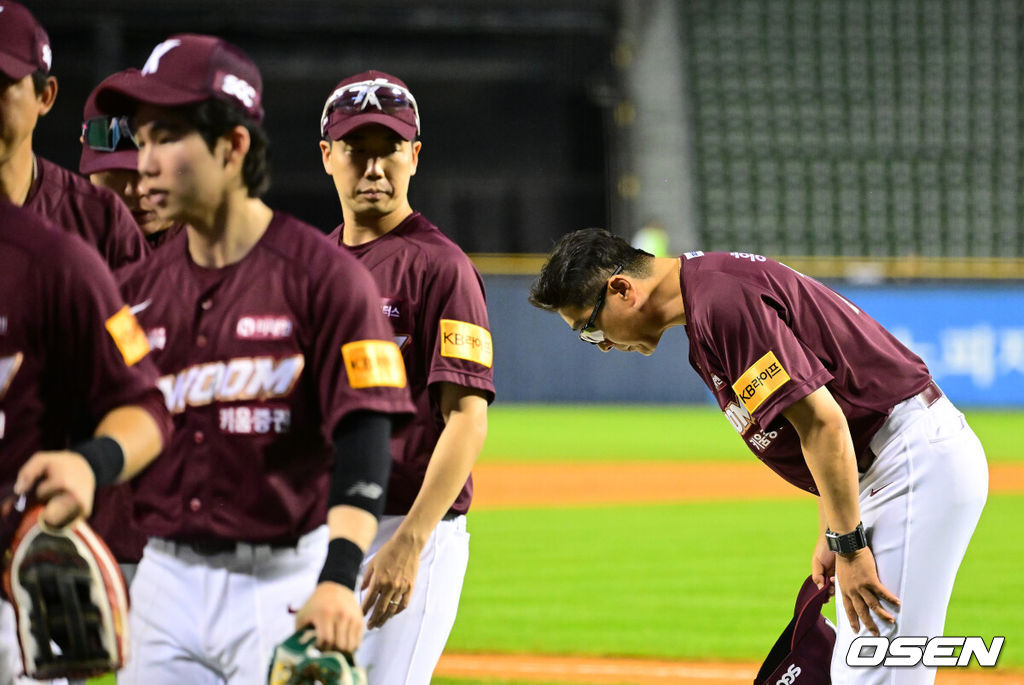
105	457
342	563
847	543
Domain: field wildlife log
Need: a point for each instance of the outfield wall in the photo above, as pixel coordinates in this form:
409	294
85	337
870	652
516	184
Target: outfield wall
971	337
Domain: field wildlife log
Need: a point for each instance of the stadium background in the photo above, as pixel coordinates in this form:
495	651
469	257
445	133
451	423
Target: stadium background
878	144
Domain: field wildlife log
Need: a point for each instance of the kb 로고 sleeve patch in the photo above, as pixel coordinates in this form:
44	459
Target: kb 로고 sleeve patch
128	336
373	363
759	381
462	340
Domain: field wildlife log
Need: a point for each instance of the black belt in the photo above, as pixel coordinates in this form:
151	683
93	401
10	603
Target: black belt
930	395
207	547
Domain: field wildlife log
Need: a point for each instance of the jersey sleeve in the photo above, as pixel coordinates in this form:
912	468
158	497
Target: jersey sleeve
357	364
104	349
455	320
125	243
767	366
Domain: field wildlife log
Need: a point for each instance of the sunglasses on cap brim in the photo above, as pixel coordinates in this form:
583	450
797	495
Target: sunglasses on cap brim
104	134
381	95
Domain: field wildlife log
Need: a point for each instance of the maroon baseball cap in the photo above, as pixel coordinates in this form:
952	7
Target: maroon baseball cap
371	97
24	45
805	647
186	69
124	155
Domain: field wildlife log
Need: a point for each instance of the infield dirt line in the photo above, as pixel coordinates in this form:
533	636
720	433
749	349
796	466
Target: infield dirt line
512	486
600	671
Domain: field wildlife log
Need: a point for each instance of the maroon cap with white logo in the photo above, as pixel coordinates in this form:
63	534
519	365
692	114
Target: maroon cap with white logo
24	45
371	97
125	154
186	69
804	650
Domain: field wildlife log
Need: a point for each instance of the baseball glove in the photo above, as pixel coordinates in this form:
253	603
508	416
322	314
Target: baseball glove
67	592
297	661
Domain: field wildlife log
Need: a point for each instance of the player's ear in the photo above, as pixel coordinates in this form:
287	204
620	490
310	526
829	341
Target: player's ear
47	96
235	146
416	146
325	153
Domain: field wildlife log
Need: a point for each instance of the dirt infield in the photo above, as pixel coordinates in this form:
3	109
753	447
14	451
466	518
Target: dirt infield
596	671
511	486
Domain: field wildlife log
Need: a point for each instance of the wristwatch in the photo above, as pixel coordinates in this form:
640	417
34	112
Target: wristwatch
847	543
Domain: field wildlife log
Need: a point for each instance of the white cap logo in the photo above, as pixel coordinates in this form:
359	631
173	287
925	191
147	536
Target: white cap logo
47	56
153	63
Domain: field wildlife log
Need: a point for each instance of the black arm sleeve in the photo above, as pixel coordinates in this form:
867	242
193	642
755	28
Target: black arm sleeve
362	462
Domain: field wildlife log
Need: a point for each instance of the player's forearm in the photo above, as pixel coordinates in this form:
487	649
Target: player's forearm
352	523
822	521
828	450
138	434
452	461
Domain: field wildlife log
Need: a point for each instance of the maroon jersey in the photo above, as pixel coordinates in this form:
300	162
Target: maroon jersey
259	362
70	351
434	298
763	336
96	215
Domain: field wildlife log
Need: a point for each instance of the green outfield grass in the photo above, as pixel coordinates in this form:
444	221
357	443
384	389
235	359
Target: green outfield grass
539	433
690	581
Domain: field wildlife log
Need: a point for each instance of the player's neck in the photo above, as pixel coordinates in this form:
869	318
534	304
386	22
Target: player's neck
667	293
360	229
16	174
230	233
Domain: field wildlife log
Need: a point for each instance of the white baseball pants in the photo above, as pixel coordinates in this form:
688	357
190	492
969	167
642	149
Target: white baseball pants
405	650
214	619
920	502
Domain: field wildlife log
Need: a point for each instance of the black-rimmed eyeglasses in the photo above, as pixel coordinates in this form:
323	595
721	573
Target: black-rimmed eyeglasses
590	333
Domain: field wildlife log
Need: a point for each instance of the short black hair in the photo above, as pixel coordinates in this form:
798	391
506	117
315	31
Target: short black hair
579	265
40	77
213	119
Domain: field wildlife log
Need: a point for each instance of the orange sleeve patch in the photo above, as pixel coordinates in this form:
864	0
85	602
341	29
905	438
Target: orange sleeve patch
128	336
373	364
463	340
760	381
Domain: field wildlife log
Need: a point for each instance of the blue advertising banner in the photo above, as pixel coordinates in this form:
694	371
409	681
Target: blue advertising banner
972	338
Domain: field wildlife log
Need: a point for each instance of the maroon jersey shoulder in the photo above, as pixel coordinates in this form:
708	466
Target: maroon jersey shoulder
95	214
435	300
763	336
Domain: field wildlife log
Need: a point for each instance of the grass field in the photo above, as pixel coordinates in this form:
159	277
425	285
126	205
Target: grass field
713	580
532	433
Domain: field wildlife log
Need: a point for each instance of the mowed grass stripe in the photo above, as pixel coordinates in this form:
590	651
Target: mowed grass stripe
539	433
695	581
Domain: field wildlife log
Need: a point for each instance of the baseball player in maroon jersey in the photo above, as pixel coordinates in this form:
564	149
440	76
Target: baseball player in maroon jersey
281	374
824	396
110	160
27	92
79	406
434	298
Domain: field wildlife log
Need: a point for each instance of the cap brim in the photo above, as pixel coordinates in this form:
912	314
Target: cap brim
14	69
94	161
135	89
337	129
